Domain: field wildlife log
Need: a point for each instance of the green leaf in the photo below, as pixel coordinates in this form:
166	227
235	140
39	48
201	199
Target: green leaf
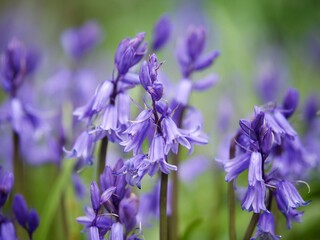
191	227
53	200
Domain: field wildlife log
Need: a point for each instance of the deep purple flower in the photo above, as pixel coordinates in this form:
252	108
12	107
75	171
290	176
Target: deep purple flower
161	32
266	227
114	209
129	53
128	210
135	168
29	220
6	184
149	77
20	210
290	102
33	221
79	41
16	63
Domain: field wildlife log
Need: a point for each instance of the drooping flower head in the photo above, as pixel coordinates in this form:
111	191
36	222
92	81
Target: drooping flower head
77	42
16	63
161	32
6	184
28	219
165	135
190	52
114	209
108	111
260	145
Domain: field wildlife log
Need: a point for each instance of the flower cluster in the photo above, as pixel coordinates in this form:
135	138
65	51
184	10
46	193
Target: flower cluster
155	121
258	141
17	63
107	113
29	220
114	210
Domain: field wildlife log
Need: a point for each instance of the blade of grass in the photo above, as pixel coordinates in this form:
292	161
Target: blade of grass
53	201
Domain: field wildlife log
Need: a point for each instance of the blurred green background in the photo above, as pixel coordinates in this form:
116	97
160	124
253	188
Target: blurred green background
246	33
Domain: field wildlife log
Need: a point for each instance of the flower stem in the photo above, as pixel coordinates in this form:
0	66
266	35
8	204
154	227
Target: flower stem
231	197
18	168
102	157
252	226
163	207
174	218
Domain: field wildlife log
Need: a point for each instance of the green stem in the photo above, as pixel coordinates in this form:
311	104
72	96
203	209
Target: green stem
174	218
231	197
102	157
18	167
163	207
252	226
63	210
232	216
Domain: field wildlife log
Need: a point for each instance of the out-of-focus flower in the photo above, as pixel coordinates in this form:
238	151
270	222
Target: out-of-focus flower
77	42
16	63
190	50
6	184
161	32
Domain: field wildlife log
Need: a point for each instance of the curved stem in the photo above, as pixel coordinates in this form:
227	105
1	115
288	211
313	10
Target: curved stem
18	168
102	157
163	207
252	226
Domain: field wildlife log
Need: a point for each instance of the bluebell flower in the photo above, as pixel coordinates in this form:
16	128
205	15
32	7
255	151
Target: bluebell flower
109	109
7	231
6	184
16	63
290	213
117	232
266	227
270	80
157	155
289	196
114	208
161	32
190	52
28	219
79	41
137	132
129	53
83	148
290	102
254	199
269	147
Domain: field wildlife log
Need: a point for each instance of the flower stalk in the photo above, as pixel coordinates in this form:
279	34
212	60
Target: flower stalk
102	157
18	168
231	197
163	207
